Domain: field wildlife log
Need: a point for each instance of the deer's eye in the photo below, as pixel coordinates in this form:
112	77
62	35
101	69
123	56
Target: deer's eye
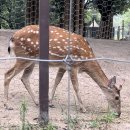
117	98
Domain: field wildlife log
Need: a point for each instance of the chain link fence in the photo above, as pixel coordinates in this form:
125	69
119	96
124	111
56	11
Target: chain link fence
95	21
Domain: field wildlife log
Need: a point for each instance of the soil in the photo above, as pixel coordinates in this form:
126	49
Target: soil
91	94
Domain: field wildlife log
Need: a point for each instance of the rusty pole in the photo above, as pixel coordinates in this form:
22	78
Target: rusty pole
43	66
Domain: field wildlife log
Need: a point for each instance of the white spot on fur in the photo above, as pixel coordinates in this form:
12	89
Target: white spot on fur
29	49
29	31
58	47
91	56
82	57
37	42
89	46
26	53
85	39
28	39
61	35
21	43
22	39
75	56
63	40
61	49
54	54
37	32
55	39
54	47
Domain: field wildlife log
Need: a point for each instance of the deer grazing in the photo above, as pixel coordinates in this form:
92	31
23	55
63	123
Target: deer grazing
25	43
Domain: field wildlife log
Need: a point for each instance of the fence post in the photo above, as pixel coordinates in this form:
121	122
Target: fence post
122	29
118	33
43	66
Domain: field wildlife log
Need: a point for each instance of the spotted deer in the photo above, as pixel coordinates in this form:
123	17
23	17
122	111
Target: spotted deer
25	43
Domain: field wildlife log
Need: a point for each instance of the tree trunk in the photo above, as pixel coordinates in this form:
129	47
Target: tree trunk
77	21
106	27
76	16
62	14
0	18
66	14
81	17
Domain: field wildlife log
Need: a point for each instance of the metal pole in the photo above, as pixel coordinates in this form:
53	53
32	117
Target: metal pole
122	29
43	66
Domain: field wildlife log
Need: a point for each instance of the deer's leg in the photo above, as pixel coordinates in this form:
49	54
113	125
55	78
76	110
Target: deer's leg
74	80
18	67
59	76
25	79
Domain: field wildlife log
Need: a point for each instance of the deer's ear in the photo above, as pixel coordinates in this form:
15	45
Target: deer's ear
112	82
120	87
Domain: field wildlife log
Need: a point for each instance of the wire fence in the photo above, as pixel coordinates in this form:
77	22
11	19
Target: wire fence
16	85
65	60
73	16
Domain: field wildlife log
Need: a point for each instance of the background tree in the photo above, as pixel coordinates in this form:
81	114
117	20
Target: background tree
32	12
57	12
77	16
107	9
60	12
11	14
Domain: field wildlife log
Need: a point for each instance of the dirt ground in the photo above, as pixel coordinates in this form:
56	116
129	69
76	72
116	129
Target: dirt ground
91	94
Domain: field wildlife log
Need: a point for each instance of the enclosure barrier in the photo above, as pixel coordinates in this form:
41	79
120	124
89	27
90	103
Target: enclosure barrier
68	61
68	14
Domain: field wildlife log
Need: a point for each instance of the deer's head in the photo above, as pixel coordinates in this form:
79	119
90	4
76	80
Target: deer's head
113	95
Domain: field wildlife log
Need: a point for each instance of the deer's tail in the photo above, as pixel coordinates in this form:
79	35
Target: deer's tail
10	45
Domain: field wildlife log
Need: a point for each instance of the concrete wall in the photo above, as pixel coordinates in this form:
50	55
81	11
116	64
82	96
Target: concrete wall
6	32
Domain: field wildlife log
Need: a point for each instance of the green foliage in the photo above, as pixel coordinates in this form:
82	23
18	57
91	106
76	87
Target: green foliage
112	6
23	112
95	124
126	18
73	122
56	11
50	127
12	14
105	119
120	6
89	14
26	125
109	117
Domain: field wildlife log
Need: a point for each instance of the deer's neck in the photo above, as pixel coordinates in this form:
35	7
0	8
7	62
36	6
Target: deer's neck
94	70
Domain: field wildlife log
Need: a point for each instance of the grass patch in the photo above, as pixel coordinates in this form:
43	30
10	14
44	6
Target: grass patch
105	119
